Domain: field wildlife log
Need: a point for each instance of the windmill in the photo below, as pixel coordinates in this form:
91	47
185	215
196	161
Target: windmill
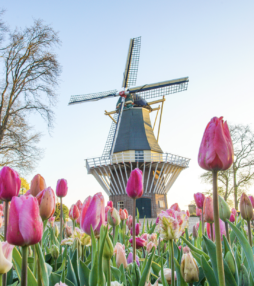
131	142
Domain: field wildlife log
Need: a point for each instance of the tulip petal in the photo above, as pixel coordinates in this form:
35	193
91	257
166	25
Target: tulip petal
7	250
5	264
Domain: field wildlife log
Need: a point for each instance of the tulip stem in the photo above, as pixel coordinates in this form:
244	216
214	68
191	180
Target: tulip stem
24	266
73	225
211	227
134	229
61	219
6	213
249	233
1	279
220	266
171	242
202	222
159	246
109	273
227	232
55	264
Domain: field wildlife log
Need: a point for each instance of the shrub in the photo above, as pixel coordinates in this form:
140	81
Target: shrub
65	212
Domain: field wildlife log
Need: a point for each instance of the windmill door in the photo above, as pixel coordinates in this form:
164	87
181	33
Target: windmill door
144	207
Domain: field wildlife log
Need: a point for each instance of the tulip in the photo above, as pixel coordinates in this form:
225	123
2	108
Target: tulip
175	207
51	221
130	259
1	219
145	236
37	185
129	222
216	149
189	268
61	188
123	214
9	183
198	212
5	257
74	212
79	205
188	213
149	246
232	218
208	210
119	251
137	228
68	231
140	242
134	187
252	200
224	210
230	261
113	217
47	203
56	230
195	232
222	229
54	251
110	204
168	275
93	214
157	220
199	199
246	211
108	249
2	207
153	238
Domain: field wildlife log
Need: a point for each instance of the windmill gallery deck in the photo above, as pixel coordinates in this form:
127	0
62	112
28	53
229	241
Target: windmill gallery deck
131	142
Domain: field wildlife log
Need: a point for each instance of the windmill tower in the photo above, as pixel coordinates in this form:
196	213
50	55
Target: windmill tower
131	142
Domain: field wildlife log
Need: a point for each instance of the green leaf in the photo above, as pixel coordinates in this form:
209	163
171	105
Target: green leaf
94	245
116	273
144	226
232	235
84	272
71	273
93	278
17	262
56	278
146	270
193	248
43	267
116	234
245	245
151	230
208	271
123	277
180	281
75	264
229	278
156	267
163	279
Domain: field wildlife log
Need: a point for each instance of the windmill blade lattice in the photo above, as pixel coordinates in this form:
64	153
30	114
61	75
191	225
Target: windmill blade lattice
131	67
92	96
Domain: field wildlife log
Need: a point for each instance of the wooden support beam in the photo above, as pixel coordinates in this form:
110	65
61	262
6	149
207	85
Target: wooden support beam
157	101
110	112
154	109
160	120
156	118
110	116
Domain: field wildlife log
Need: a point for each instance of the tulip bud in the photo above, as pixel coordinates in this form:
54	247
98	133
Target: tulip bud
243	277
195	232
38	184
216	149
130	259
252	200
224	210
119	250
137	229
113	217
199	200
68	231
123	214
232	218
54	251
9	183
56	230
129	222
79	205
134	187
108	249
246	209
167	274
189	268
74	212
230	261
47	203
140	242
61	188
208	210
110	204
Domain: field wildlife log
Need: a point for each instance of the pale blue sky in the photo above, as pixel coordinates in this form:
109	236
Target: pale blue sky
212	42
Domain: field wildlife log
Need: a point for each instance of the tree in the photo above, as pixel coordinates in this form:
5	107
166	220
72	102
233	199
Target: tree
240	176
31	72
24	186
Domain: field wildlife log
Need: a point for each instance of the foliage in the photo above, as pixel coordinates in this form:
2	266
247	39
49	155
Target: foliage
65	212
30	72
24	186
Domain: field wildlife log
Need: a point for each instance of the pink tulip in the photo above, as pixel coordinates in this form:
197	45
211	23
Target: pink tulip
1	207
38	184
188	213
25	225
157	220
216	149
208	210
137	227
119	250
79	205
149	246
93	214
140	242
234	212
175	207
74	212
1	219
61	188
199	200
145	236
78	219
129	222
123	214
198	212
51	221
110	204
252	200
9	183
47	203
180	247
222	229
27	193
232	218
134	187
130	259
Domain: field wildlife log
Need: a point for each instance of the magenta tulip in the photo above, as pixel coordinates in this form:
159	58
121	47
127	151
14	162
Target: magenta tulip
222	229
134	187
137	228
47	203
25	225
93	214
110	204
38	184
208	210
130	259
74	212
216	149
9	183
140	242
199	200
232	218
61	188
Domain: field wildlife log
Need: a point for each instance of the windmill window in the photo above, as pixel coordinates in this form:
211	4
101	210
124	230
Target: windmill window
161	204
139	156
120	205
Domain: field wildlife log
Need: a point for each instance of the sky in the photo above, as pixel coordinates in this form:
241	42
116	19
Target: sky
211	42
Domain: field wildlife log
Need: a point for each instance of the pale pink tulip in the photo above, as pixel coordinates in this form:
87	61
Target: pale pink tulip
123	214
47	203
38	184
222	229
216	149
25	225
5	257
9	183
149	246
119	251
